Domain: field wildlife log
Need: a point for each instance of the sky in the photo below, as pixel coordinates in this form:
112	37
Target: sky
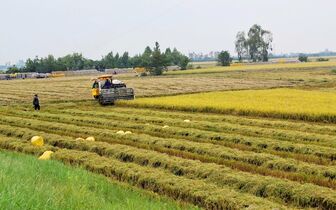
30	28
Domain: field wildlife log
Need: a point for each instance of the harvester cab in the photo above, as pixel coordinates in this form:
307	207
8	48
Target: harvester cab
107	90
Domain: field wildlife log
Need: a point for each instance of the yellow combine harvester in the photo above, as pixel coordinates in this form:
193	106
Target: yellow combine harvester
107	90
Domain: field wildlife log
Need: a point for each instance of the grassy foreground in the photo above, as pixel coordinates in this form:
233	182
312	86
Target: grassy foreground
281	103
27	183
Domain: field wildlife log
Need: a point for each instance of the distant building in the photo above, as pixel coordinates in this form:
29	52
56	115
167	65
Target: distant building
211	56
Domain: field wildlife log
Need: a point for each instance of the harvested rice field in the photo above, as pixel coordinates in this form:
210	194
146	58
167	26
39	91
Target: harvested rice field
213	161
78	87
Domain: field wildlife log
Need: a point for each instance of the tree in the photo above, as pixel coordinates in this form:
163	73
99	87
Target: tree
136	61
73	61
124	60
266	45
13	69
30	66
108	61
254	42
241	45
157	61
257	45
303	58
117	60
49	64
183	64
169	56
224	58
176	58
146	58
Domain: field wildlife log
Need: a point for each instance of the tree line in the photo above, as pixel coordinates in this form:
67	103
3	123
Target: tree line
153	60
256	45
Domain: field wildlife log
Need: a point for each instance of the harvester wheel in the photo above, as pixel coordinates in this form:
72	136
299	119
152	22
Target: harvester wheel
101	100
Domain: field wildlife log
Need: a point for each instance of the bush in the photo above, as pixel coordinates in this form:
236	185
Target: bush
303	58
224	58
198	67
143	74
190	66
322	59
333	71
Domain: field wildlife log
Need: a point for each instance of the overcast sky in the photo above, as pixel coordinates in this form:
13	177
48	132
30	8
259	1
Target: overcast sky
95	27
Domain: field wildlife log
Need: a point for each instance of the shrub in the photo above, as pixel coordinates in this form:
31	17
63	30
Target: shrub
322	59
143	74
303	58
190	66
224	58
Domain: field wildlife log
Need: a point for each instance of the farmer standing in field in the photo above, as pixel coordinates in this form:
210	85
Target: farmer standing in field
36	102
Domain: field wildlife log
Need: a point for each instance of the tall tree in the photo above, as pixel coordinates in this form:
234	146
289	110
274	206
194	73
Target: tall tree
158	61
109	61
124	60
146	58
241	45
254	42
259	43
169	56
117	61
266	46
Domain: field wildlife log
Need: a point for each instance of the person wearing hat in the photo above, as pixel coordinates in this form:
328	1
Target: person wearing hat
36	102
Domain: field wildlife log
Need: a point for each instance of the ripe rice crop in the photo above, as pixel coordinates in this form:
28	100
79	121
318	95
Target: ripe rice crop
279	103
274	66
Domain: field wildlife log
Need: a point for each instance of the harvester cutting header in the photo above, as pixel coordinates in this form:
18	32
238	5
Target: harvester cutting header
107	90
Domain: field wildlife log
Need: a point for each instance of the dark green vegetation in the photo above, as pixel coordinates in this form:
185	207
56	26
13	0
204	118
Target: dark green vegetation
152	59
27	183
303	58
256	46
224	58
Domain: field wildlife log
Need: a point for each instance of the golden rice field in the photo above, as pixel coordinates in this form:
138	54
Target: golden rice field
244	67
282	103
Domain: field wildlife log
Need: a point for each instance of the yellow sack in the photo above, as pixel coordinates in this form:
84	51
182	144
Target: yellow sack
37	141
128	132
121	132
187	121
91	138
166	126
46	155
80	139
